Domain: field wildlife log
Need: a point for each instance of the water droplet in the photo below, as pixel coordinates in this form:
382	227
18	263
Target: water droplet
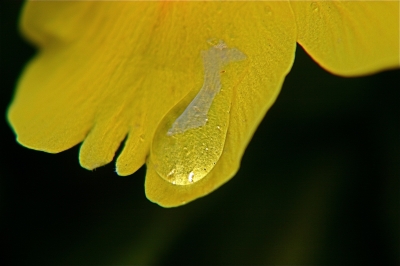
142	137
213	41
268	10
314	6
184	150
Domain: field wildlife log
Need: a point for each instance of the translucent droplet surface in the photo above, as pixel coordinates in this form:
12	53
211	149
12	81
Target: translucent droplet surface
268	10
314	6
191	137
185	158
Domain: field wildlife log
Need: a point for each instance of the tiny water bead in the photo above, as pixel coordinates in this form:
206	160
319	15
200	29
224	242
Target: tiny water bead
314	6
190	138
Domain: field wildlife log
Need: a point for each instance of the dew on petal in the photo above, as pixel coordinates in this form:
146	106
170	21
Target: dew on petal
268	10
197	123
214	59
314	6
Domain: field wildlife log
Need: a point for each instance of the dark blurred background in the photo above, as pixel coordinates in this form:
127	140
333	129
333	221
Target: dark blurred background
319	184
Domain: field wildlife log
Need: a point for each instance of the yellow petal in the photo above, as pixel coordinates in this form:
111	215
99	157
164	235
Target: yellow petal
90	86
351	37
99	86
110	69
119	67
47	21
265	32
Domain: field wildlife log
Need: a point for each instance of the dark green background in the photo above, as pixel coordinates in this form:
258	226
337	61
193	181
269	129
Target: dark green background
319	184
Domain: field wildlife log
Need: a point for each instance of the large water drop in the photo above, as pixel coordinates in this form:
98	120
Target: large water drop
191	137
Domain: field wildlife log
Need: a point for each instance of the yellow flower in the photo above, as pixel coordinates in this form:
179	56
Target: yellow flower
110	70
